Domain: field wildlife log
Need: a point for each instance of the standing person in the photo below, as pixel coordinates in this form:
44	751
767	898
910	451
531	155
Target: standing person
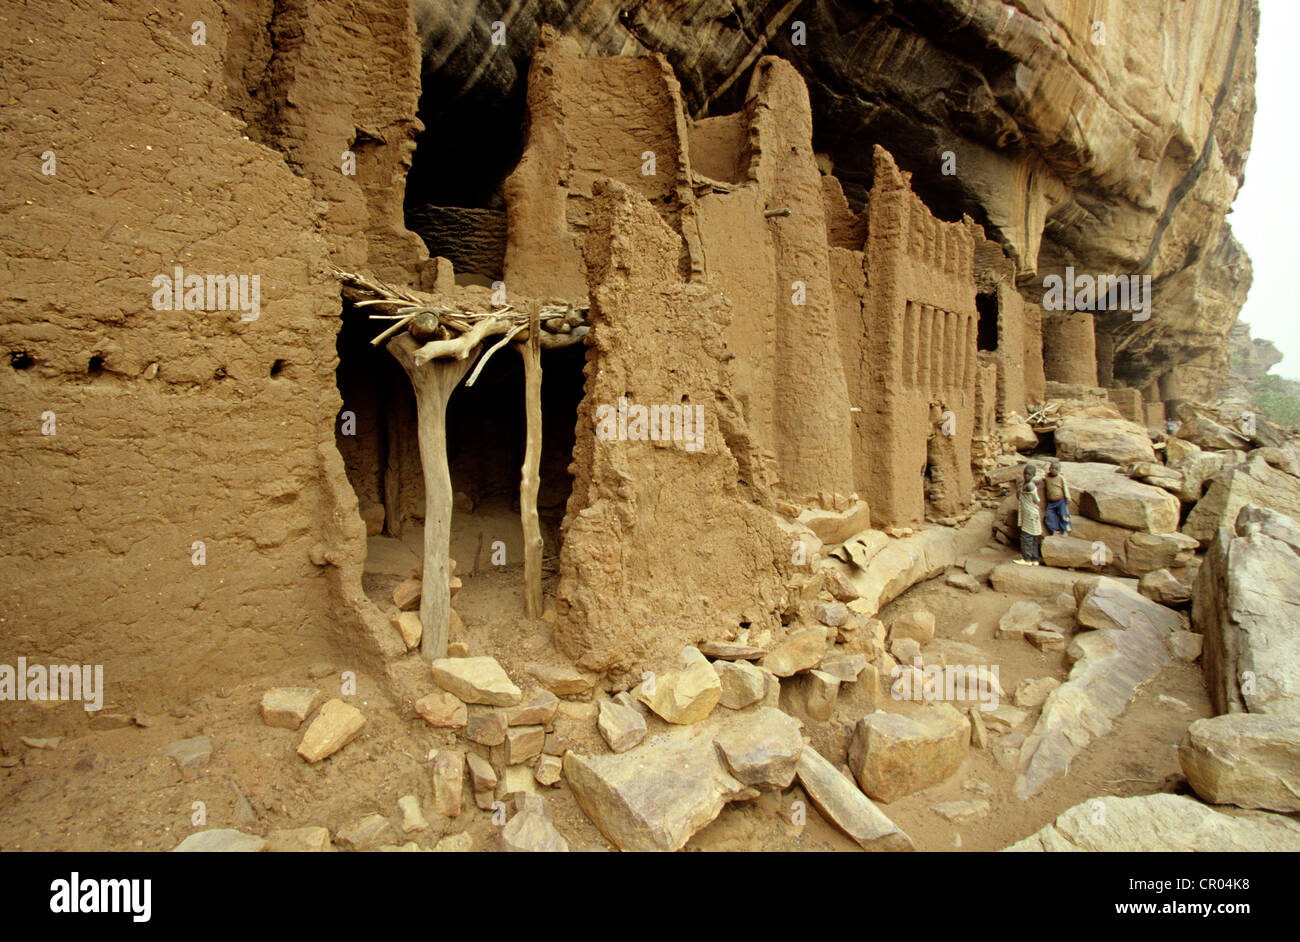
1057	493
1031	520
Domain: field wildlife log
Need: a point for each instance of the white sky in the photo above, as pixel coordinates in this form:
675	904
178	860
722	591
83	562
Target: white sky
1268	205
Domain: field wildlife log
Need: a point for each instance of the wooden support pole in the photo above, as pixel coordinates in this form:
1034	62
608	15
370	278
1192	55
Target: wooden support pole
530	479
433	384
392	481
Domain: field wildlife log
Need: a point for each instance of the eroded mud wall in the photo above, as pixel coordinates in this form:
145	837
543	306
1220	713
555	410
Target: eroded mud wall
663	546
175	428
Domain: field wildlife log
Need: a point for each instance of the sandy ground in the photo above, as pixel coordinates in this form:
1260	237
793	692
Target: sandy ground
117	790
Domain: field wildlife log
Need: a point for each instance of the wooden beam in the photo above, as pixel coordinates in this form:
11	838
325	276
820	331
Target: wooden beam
529	480
433	384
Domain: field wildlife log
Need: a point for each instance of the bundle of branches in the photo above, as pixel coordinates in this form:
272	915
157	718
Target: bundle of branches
456	332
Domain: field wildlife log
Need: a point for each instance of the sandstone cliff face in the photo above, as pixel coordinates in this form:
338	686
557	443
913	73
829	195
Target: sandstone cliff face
1108	138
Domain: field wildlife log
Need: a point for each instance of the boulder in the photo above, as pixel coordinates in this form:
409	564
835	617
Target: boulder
1185	645
1197	469
336	725
1251	760
1018	436
1071	552
683	696
1245	604
1255	482
1147	552
1161	586
1101	492
1157	475
476	680
846	667
1110	604
656	797
893	755
1162	823
1031	693
1204	432
762	753
1095	438
843	805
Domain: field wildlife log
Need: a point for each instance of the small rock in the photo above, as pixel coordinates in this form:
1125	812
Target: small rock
1030	694
406	596
960	812
1160	586
412	817
448	774
52	742
458	649
831	614
762	754
315	840
538	711
844	667
1185	645
1019	619
918	625
979	737
442	709
621	727
482	777
818	691
369	833
288	707
1046	639
476	680
524	743
743	684
683	696
802	651
487	729
410	627
461	843
336	725
1004	717
548	770
727	651
905	650
190	755
561	681
220	840
531	832
963	581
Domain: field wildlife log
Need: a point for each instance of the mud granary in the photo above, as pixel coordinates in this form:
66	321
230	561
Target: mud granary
191	489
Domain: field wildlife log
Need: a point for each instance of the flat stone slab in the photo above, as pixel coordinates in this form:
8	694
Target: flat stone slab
476	680
220	840
288	707
336	725
1111	666
1161	823
842	804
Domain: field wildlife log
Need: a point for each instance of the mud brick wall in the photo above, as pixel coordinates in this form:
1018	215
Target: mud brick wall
1069	348
663	547
588	118
172	427
919	350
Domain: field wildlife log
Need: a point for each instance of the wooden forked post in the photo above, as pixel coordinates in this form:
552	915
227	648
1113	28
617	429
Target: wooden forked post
433	384
529	479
